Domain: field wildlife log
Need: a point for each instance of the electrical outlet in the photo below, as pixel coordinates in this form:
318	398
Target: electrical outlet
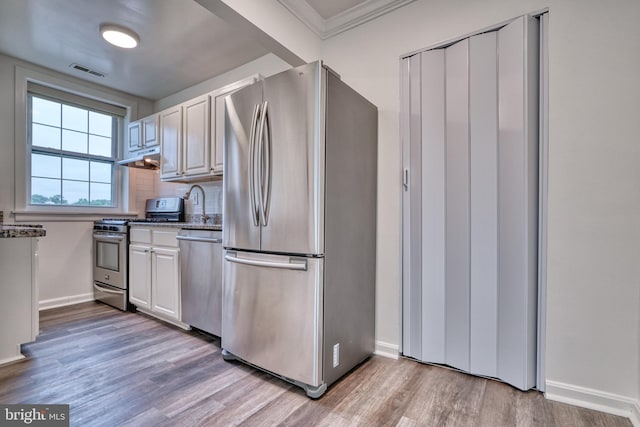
336	355
196	199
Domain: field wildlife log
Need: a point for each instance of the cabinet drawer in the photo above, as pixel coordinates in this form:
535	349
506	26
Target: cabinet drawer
165	238
140	235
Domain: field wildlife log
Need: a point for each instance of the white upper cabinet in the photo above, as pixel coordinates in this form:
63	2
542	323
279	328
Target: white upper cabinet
171	143
134	136
196	140
185	141
150	131
142	133
217	121
192	136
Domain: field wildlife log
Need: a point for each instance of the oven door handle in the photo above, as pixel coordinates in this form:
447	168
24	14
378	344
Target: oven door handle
117	237
109	291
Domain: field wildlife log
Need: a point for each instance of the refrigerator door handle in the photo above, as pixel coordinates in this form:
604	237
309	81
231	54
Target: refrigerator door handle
252	165
264	157
293	264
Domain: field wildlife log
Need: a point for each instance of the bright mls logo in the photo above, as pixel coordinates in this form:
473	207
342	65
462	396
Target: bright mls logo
34	415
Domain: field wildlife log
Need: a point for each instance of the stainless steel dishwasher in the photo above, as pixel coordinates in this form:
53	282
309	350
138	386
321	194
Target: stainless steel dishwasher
201	277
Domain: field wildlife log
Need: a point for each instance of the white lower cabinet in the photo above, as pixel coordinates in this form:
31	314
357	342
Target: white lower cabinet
140	275
165	279
154	272
19	303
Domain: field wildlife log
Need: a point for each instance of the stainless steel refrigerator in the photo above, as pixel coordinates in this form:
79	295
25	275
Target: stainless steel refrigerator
300	227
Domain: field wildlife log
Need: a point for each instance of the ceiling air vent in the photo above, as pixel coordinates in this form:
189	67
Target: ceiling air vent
86	70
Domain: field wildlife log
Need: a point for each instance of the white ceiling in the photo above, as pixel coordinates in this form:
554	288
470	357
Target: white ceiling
181	43
327	18
330	8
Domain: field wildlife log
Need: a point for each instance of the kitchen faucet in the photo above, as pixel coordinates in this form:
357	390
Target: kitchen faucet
188	193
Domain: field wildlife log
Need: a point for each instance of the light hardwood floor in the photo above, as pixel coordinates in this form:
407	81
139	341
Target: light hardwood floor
116	368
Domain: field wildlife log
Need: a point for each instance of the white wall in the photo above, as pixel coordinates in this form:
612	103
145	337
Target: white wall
275	21
266	65
66	261
594	210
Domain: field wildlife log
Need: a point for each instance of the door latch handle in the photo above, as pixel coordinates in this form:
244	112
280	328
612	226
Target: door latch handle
405	179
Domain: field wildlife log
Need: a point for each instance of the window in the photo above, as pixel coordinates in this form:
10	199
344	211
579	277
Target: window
73	148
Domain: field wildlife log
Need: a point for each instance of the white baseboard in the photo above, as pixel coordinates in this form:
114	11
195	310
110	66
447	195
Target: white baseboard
11	359
594	399
635	414
61	302
386	349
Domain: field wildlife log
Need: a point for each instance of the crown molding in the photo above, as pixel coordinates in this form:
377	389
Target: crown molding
352	17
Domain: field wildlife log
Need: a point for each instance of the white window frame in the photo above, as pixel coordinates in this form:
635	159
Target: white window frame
23	210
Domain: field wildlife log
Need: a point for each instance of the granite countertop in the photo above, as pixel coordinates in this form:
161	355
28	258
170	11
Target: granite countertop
21	230
185	225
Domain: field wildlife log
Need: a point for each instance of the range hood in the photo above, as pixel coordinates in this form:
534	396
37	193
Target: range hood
148	158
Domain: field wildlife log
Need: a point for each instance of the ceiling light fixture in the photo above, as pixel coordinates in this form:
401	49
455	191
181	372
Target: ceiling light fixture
119	36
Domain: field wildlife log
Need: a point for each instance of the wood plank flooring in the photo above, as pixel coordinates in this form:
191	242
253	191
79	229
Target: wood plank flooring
127	369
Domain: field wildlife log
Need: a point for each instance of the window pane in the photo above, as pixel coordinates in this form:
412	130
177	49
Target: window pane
100	124
101	194
75	192
99	146
45	166
45	136
45	191
75	169
74	141
45	111
101	172
72	154
74	118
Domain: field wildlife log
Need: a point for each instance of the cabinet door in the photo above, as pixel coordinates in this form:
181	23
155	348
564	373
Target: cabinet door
150	131
134	136
217	122
171	143
217	133
140	275
166	282
196	136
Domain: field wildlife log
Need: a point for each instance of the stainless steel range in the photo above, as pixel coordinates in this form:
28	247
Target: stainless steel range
110	266
110	246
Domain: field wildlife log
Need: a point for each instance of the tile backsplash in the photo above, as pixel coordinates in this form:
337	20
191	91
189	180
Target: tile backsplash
146	184
142	184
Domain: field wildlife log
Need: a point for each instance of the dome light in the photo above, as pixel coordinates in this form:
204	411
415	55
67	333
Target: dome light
119	36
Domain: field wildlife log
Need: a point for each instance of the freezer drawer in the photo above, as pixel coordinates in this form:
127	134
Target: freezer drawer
272	313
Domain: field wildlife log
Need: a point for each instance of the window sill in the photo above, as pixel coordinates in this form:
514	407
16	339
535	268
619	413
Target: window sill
77	214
